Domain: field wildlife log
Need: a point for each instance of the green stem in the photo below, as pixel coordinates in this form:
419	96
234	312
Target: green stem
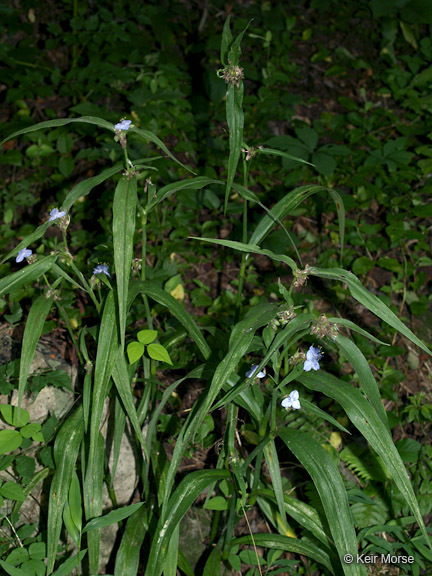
244	240
66	320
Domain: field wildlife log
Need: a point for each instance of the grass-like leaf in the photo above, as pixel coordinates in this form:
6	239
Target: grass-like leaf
66	448
124	211
235	120
188	184
71	563
366	420
26	275
288	203
57	123
367	381
251	249
369	300
150	137
329	484
84	188
278	542
112	517
128	555
32	332
182	499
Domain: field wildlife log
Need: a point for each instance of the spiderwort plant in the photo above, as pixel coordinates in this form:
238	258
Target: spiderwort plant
259	432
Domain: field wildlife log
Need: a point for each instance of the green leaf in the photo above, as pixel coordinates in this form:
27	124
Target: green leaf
226	42
10	415
293	545
26	275
134	351
329	484
124	210
66	448
67	567
179	503
188	184
367	381
12	570
128	555
70	526
273	465
75	502
250	248
112	517
369	300
86	186
150	137
32	332
147	336
93	486
367	421
289	203
12	491
273	152
61	122
158	352
216	503
235	120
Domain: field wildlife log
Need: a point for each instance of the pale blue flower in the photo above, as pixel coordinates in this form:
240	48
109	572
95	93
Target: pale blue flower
251	372
24	253
292	401
55	213
123	125
312	357
102	269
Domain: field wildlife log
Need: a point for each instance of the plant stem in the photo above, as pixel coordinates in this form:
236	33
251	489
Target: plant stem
244	240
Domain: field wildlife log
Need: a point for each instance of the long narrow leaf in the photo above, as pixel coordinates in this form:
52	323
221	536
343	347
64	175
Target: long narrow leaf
188	184
66	448
272	460
367	421
250	248
285	206
84	188
124	211
367	381
278	542
128	555
112	517
329	484
61	122
241	338
26	275
71	563
93	485
32	332
235	120
369	300
179	503
150	137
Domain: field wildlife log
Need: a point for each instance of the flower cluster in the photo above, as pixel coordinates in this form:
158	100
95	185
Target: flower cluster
232	74
313	355
292	401
297	358
323	328
283	317
301	276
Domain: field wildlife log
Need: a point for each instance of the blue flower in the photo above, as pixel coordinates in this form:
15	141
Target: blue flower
102	269
24	253
55	213
251	372
292	401
123	125
312	357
